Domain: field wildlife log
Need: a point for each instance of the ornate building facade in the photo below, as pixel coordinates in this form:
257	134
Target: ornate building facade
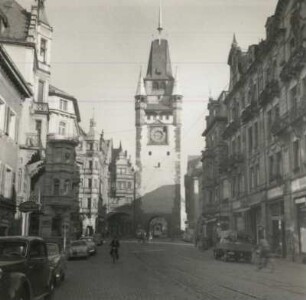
265	134
158	140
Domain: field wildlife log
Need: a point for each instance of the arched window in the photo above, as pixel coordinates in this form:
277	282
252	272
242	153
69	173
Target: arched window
56	186
66	186
62	128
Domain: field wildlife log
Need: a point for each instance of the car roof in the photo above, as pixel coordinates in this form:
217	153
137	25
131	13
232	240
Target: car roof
21	238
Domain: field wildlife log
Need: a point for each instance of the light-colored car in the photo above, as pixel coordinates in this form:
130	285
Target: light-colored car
92	248
78	249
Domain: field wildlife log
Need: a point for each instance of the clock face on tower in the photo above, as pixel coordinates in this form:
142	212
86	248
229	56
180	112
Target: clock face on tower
158	135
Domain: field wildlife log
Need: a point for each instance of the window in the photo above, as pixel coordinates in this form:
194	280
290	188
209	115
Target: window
90	183
2	114
56	187
89	203
296	155
66	186
256	135
239	144
10	123
121	170
293	99
155	85
96	185
90	146
38	126
90	164
269	124
278	164
150	153
37	250
41	91
43	49
271	168
250	139
168	153
96	165
8	182
257	174
233	186
62	128
63	105
129	185
19	183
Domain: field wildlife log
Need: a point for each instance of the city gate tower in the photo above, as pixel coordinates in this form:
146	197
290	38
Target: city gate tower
158	104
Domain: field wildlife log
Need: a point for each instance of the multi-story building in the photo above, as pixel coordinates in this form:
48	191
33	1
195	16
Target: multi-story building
121	208
13	92
26	36
264	132
94	156
58	188
158	141
193	191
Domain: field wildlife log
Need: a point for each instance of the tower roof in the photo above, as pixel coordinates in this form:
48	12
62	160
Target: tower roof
176	86
159	66
42	16
140	91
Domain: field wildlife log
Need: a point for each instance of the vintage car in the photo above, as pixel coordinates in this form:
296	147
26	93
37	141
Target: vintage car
25	272
234	246
78	249
58	261
92	248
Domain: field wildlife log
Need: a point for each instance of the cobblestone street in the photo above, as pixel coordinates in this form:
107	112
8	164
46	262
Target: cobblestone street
177	271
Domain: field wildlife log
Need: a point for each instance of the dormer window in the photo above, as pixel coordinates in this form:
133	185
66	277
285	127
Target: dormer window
3	23
43	49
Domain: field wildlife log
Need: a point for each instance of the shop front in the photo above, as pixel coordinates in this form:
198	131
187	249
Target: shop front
301	223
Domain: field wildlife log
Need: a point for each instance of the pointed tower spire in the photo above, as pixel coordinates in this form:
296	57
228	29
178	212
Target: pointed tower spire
120	146
140	91
160	19
234	43
176	86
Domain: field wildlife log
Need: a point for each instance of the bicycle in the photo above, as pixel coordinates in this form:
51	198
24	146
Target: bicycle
263	260
114	254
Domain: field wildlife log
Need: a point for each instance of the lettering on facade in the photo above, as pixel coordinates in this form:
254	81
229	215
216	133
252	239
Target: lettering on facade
275	192
298	184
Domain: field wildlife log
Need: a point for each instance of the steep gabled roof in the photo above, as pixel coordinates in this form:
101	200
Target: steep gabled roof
54	91
18	21
159	66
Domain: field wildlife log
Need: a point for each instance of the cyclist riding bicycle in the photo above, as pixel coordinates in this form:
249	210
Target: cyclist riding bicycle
115	247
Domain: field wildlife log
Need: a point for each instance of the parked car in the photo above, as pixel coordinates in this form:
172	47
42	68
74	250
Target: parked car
78	249
25	272
234	246
57	260
97	237
92	248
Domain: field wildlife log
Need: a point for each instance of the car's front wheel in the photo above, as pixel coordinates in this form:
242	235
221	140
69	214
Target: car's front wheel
22	294
50	295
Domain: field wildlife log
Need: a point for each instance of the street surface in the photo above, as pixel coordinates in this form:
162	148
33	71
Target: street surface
177	271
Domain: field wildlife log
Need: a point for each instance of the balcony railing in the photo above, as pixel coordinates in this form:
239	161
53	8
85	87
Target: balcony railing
211	209
270	91
40	108
249	112
207	154
294	65
33	140
231	128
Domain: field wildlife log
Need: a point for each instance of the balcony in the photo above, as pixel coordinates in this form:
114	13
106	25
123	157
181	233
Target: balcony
294	65
40	108
33	140
209	182
249	112
211	120
208	154
270	91
231	162
211	209
231	128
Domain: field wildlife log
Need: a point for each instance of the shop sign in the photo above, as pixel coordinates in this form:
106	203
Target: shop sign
276	192
28	206
298	184
300	200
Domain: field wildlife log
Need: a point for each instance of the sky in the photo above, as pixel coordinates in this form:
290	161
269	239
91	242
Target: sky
99	47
